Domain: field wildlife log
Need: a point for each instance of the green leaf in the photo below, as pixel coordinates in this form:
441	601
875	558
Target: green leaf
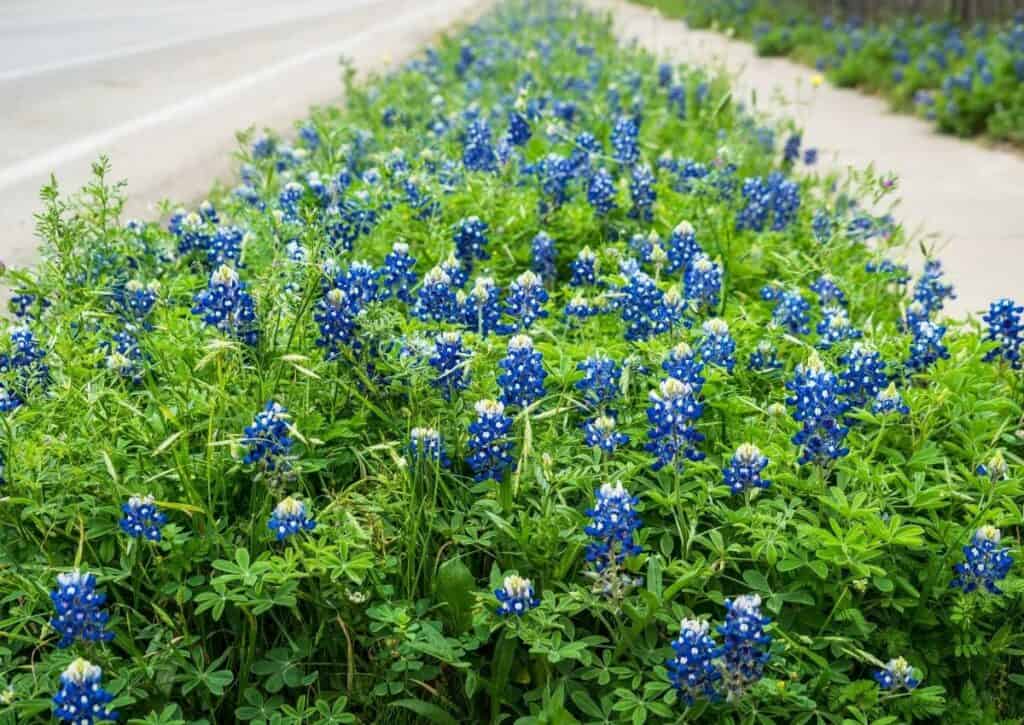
427	710
455	588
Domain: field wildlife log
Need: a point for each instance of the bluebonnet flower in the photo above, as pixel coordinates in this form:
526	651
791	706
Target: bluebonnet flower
398	274
450	361
692	670
664	75
601	192
554	173
477	149
288	201
672	411
682	364
526	300
263	147
542	257
703	281
21	304
360	283
420	202
289	518
790	312
897	675
309	136
745	645
580	307
641	191
81	699
584	268
267	439
79	607
926	348
489	442
625	140
693	177
226	306
25	363
864	376
671	312
1004	327
811	157
791	149
822	226
481	309
225	247
829	294
774	195
455	270
820	409
717	346
522	383
518	127
296	252
425	444
766	137
142	518
612	528
995	470
930	289
249	195
601	433
914	315
471	241
515	596
136	299
889	401
192	230
764	358
349	219
436	301
124	356
835	327
9	400
639	302
600	383
682	247
985	563
466	58
644	245
744	470
335	314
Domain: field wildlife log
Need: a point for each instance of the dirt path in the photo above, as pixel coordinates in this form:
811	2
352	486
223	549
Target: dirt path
968	197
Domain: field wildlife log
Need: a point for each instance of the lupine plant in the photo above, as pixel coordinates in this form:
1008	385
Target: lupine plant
481	417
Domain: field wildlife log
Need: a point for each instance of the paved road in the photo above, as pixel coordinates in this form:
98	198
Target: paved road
162	86
968	198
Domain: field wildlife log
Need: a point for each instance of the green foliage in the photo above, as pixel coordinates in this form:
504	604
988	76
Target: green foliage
385	612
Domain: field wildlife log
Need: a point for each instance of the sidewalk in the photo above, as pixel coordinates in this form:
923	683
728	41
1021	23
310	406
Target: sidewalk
968	198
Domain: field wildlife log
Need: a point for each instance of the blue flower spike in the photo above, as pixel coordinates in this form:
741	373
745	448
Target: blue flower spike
516	596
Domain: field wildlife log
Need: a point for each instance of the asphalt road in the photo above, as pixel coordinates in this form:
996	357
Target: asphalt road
964	199
161	87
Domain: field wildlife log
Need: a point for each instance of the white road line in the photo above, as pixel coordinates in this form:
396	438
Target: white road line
16	74
90	145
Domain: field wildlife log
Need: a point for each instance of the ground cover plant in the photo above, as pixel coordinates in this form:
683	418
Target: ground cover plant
969	80
539	383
